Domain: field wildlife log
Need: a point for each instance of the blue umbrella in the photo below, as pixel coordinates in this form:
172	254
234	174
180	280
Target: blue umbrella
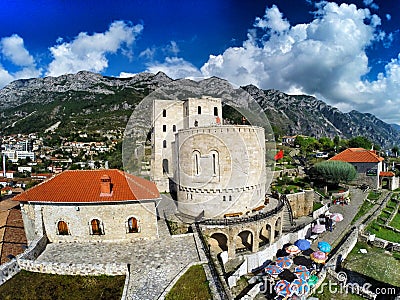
299	287
303	244
324	247
273	270
284	262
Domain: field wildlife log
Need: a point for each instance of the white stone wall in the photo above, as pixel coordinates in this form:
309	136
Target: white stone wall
113	217
232	181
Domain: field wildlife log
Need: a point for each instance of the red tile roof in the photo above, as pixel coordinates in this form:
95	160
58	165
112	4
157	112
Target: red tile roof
386	174
353	155
84	186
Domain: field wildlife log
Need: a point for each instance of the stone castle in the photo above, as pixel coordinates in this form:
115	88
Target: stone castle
215	169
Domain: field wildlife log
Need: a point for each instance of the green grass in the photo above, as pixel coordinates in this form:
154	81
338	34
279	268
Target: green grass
383	233
192	285
375	264
28	285
396	222
374	195
317	205
363	210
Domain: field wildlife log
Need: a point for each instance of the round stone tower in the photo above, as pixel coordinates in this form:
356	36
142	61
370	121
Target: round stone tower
220	170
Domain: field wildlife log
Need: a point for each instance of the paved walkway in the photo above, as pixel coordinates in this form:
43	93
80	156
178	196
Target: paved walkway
154	263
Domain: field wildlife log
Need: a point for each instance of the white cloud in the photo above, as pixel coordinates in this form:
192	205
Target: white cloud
13	49
371	4
126	75
89	52
326	58
388	17
175	67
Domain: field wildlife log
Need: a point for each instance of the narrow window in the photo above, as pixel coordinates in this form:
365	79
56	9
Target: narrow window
230	198
96	227
196	163
223	198
133	225
214	162
215	111
164	113
62	228
173	128
164	144
165	165
164	128
199	110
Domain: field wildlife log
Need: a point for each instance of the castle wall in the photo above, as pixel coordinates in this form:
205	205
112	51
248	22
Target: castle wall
301	203
221	169
113	219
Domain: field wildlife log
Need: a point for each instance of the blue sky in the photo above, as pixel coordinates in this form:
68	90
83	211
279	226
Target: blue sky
345	53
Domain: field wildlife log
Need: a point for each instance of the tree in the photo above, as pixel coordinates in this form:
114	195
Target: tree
326	144
395	151
360	142
335	171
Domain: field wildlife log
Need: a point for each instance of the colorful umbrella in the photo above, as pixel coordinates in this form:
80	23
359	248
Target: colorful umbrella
324	247
313	280
299	287
292	250
273	270
282	288
284	262
303	244
319	228
319	257
302	272
336	217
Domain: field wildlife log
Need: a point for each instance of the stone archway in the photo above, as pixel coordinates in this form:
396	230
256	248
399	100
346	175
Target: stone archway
218	242
265	235
244	241
385	183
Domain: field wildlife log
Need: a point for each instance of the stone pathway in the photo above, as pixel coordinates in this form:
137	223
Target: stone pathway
154	263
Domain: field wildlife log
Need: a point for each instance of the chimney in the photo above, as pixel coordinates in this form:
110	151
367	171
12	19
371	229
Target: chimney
105	185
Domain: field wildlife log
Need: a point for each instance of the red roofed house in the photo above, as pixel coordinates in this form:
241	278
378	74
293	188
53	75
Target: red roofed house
370	167
97	205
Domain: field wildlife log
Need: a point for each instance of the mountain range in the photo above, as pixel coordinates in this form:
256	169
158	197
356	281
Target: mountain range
88	100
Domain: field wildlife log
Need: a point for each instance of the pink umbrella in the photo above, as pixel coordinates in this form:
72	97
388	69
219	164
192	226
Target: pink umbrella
319	228
319	257
336	217
292	250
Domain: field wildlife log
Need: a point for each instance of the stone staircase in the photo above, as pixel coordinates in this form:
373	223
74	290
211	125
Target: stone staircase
287	221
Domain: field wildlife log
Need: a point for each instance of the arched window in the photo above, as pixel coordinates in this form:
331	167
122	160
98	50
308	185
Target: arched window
165	165
164	144
196	163
133	225
164	113
215	111
199	110
215	162
96	227
62	228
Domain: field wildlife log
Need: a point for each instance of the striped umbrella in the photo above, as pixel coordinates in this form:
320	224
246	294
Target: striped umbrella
336	217
302	272
284	262
299	287
282	288
319	257
324	247
273	270
303	244
292	250
313	280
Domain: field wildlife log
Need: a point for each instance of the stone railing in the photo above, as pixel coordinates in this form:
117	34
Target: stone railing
240	220
8	270
380	243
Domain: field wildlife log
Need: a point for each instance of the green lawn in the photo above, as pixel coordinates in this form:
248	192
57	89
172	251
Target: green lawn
376	264
192	285
317	205
363	210
374	195
383	233
396	222
28	285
